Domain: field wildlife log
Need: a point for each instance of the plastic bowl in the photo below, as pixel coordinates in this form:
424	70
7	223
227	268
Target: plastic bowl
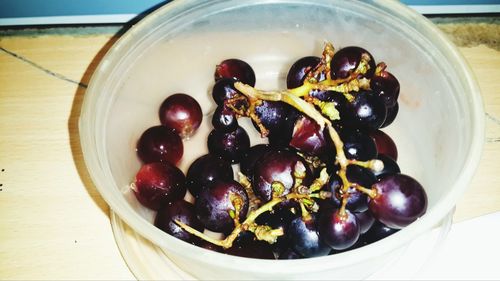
439	130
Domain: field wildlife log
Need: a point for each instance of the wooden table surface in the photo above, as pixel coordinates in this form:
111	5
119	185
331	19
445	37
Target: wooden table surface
53	222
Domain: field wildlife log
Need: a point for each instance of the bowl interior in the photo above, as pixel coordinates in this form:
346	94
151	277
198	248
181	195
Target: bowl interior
176	50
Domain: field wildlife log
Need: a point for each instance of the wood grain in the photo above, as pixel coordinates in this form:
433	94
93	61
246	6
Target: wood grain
53	222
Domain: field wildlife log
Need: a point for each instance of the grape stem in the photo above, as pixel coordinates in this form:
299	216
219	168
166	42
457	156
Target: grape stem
248	224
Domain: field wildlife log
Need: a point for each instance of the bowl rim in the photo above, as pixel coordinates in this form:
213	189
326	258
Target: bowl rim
97	166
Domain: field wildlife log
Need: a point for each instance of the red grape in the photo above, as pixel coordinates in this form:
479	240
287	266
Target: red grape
182	211
247	245
308	138
224	119
235	68
160	144
223	90
299	70
206	170
400	200
385	144
304	238
358	201
214	205
346	60
386	86
157	184
231	146
358	145
276	166
251	157
367	111
390	166
339	231
182	113
392	112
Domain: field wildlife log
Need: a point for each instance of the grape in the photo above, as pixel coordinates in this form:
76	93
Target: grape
279	218
392	112
157	184
182	113
223	90
178	210
308	138
246	245
358	145
386	86
342	105
276	166
358	201
235	68
207	245
272	115
160	144
339	231
304	238
289	254
251	157
400	200
368	110
385	144
214	205
231	146
206	170
280	137
299	70
390	166
377	232
365	221
346	60
224	119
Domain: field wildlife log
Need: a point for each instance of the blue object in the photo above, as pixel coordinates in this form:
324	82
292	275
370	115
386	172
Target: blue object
42	12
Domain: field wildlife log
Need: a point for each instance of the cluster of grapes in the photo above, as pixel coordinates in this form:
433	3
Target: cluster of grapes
326	182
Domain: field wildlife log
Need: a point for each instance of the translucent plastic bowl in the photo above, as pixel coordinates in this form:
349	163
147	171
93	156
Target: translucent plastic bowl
439	129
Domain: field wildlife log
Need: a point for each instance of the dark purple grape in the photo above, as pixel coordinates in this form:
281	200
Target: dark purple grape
207	245
272	115
358	201
279	218
400	200
392	112
346	60
308	138
157	184
231	146
386	86
377	232
289	254
299	70
214	205
235	68
251	157
280	137
385	144
223	90
341	103
339	231
206	170
365	221
367	111
276	166
358	145
390	166
182	211
305	240
160	144
224	119
182	113
246	245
